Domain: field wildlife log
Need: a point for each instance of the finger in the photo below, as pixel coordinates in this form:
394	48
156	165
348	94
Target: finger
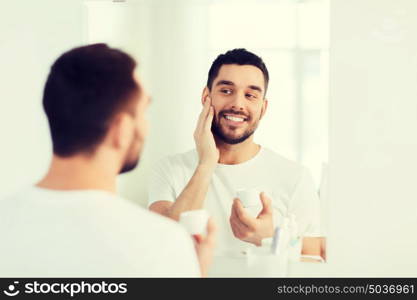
209	119
234	230
234	205
235	224
206	110
235	209
203	115
206	107
243	215
211	226
234	218
211	231
197	238
242	228
231	221
266	205
237	229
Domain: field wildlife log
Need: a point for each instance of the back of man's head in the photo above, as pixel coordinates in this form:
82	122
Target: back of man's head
85	89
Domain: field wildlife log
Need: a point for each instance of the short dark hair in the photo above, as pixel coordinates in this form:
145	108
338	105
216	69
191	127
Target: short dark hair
238	56
86	87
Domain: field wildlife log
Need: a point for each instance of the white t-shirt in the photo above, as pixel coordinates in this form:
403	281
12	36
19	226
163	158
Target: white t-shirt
288	184
89	233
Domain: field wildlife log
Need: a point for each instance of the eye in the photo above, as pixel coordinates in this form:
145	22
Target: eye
226	91
250	96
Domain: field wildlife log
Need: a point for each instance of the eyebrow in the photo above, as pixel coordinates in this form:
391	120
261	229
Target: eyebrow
227	82
256	88
224	82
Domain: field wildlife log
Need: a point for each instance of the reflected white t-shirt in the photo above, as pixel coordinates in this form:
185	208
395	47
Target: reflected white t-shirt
89	233
289	184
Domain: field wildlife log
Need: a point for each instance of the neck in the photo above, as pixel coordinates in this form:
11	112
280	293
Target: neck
80	173
238	153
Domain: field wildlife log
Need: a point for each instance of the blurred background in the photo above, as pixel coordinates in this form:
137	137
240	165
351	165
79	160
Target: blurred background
343	91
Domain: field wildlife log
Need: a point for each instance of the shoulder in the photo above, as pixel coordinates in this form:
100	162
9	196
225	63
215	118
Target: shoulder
166	244
166	238
282	163
185	159
18	198
146	227
153	221
160	226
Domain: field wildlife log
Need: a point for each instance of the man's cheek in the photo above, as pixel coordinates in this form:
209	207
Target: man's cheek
216	118
142	129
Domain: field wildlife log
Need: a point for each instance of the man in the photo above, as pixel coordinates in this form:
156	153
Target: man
226	160
72	223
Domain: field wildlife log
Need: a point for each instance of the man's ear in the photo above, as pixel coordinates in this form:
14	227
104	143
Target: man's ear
264	107
205	94
121	131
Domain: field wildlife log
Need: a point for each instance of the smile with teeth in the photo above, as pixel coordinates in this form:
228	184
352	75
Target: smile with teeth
234	118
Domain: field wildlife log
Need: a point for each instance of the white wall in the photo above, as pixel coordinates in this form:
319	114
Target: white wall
373	140
32	35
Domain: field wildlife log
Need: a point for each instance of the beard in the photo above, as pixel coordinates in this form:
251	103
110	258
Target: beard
129	165
132	157
219	131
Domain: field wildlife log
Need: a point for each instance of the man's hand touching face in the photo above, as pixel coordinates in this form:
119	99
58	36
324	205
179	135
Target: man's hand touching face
206	146
249	229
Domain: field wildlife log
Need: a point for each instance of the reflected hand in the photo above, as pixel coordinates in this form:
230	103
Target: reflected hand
249	229
206	146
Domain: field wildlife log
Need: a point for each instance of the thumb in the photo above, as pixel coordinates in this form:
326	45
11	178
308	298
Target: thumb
209	119
197	238
266	205
211	226
211	231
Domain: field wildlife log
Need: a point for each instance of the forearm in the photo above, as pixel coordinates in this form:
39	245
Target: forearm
193	195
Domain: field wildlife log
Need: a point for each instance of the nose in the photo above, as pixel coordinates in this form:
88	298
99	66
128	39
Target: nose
238	101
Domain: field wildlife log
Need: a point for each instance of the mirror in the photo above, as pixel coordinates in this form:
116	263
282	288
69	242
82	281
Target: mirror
175	43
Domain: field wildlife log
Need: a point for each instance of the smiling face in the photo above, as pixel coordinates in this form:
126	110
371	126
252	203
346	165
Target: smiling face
237	95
